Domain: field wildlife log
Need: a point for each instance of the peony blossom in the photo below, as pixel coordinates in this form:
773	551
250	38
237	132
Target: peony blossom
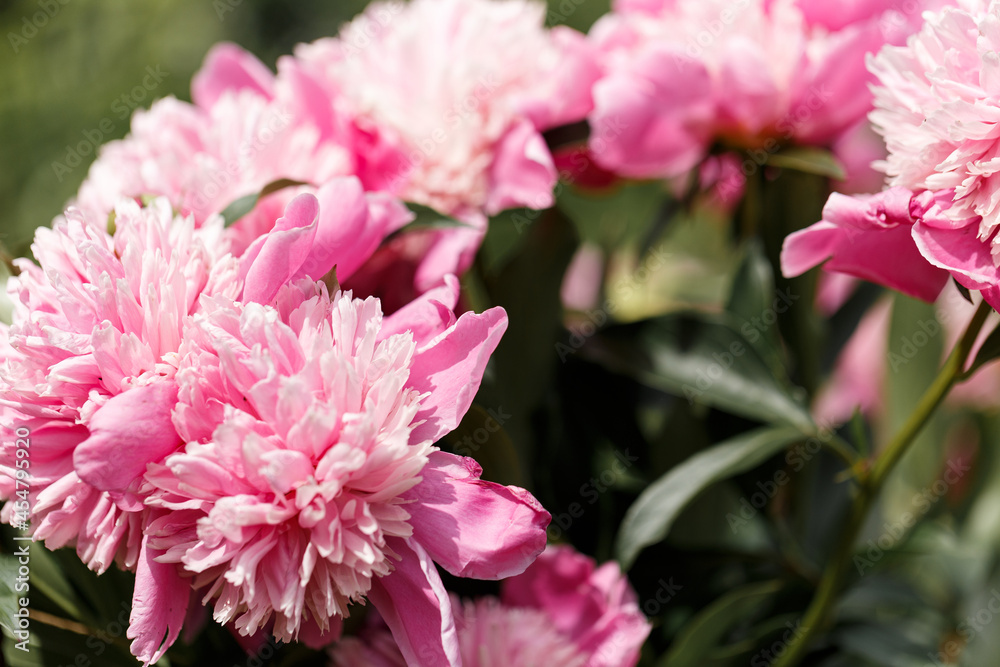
114	334
935	110
96	332
858	379
90	371
308	481
680	75
491	79
562	612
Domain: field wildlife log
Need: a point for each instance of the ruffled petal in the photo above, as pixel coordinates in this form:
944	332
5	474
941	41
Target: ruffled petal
228	67
416	607
159	606
450	369
130	431
474	528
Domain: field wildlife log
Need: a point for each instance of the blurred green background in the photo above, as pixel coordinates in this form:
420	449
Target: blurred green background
68	70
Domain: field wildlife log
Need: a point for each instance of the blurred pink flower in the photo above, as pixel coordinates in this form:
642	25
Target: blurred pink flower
464	88
249	129
858	379
859	375
757	74
581	286
309	480
562	612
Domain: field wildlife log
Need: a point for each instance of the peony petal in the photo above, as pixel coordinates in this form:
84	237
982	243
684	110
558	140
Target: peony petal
474	528
869	237
960	252
450	369
128	432
276	257
346	235
416	607
649	120
427	316
159	606
228	67
522	173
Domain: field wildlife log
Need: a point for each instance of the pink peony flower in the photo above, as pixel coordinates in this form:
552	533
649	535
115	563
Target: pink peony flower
97	327
90	372
464	88
309	481
562	612
859	376
204	159
682	74
936	108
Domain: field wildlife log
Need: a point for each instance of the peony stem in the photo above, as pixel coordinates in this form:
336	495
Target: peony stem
830	584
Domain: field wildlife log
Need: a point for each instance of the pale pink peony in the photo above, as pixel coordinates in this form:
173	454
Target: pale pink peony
93	353
858	379
756	74
203	160
937	110
249	129
309	481
464	88
98	323
562	612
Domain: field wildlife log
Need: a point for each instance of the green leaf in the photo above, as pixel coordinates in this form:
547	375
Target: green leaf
649	519
753	286
49	646
753	298
706	632
817	161
8	596
703	359
240	207
48	577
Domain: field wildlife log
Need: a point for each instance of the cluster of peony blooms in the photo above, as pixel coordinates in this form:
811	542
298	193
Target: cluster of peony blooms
245	415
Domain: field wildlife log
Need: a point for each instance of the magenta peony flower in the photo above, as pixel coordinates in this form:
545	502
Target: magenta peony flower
562	612
756	74
309	480
464	89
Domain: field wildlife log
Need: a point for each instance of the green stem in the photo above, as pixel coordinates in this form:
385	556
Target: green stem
817	615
